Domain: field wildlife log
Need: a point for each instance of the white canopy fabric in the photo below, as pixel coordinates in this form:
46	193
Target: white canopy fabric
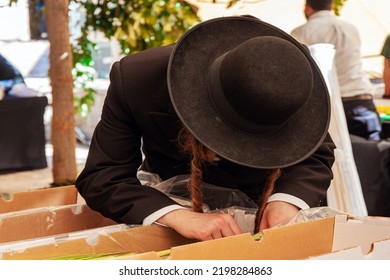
345	193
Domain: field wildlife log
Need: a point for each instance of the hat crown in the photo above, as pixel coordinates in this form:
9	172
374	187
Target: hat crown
230	93
260	84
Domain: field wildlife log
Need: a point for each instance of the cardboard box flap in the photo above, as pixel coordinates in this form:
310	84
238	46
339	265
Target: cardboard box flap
39	222
38	198
376	251
90	235
354	231
138	240
308	239
288	242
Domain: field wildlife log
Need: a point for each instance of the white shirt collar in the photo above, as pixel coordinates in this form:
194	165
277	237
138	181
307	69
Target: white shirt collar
322	13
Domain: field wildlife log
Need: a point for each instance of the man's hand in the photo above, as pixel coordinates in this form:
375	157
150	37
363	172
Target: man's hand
277	212
200	226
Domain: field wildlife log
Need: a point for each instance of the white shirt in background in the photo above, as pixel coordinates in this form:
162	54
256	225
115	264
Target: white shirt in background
325	27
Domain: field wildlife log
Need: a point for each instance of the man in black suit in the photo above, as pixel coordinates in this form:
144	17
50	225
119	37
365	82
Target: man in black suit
235	103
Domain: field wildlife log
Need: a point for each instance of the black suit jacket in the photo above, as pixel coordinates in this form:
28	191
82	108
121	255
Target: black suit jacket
137	114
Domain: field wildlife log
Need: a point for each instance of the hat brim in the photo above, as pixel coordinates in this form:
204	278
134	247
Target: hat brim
187	83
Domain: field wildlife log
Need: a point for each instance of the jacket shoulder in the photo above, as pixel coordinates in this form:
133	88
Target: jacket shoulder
149	55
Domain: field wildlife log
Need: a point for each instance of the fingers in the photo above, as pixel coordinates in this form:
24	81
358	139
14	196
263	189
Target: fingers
277	213
216	235
232	227
214	226
225	226
201	226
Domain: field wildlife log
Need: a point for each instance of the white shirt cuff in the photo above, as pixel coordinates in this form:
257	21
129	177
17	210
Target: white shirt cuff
159	213
275	197
290	199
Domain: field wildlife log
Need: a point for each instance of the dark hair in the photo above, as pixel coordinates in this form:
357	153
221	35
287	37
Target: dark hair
319	5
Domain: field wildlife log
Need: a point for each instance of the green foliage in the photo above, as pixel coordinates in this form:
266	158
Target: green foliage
140	24
337	5
83	75
136	24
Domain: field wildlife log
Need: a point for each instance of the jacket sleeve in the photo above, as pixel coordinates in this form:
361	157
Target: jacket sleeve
309	180
108	181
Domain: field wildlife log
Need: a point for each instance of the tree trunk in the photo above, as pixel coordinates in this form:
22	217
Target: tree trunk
35	34
63	121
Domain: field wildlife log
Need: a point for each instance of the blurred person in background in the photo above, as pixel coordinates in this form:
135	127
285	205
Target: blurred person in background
386	67
323	26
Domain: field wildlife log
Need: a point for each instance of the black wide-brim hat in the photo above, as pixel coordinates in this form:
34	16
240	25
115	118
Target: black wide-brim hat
275	109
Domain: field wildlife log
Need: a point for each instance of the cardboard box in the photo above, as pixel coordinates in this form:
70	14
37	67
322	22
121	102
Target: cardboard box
138	239
40	222
305	240
374	251
297	241
360	239
21	246
38	198
293	242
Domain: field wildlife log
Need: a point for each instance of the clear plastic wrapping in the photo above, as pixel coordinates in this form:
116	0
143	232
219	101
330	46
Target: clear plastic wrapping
314	214
231	201
214	197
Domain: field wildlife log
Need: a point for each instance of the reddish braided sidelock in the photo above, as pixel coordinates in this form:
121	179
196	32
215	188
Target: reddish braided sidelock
195	185
268	189
199	155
